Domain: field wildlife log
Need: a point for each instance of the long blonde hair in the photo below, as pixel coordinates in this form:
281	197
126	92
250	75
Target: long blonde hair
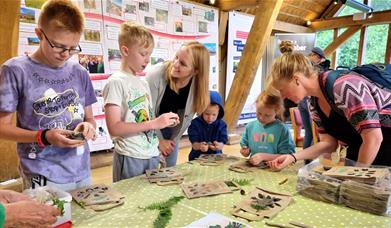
200	62
288	63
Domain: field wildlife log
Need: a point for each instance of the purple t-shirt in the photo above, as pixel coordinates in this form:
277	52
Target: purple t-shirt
46	97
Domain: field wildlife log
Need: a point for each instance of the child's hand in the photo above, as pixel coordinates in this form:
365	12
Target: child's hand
59	137
166	146
256	159
245	151
87	129
169	119
216	146
204	147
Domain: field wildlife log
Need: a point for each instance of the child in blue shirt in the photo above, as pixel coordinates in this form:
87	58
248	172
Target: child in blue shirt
267	137
208	132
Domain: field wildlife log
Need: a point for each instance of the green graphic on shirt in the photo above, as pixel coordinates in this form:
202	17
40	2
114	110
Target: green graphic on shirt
132	104
140	116
270	138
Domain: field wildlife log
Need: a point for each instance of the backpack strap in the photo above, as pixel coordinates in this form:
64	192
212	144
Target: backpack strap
328	87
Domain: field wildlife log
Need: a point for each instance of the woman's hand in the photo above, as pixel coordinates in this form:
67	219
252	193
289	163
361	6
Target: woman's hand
281	162
30	214
166	146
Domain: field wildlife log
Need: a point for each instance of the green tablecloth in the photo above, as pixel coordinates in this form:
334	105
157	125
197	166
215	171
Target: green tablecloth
139	192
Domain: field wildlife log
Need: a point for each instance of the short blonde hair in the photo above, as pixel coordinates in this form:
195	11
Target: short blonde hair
61	15
271	99
200	62
289	63
134	33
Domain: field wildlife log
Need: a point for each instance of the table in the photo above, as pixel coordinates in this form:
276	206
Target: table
140	193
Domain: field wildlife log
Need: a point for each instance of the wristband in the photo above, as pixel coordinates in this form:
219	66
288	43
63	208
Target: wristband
294	157
44	139
39	138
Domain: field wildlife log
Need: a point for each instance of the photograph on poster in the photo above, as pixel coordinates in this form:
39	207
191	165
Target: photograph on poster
156	60
186	11
211	48
114	7
93	63
34	41
178	26
149	21
114	54
202	27
144	6
37	4
91	35
161	15
131	9
89	4
27	15
235	67
209	16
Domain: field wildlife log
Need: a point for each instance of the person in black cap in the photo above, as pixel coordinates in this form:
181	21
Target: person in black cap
318	59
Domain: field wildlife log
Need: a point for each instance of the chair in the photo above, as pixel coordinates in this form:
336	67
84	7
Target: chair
297	125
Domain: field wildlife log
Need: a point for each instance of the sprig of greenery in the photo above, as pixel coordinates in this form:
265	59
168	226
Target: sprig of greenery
242	182
164	208
60	204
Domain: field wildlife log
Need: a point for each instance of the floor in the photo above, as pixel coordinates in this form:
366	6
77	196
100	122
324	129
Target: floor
104	174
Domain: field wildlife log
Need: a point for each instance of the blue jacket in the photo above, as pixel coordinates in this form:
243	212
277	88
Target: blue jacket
200	131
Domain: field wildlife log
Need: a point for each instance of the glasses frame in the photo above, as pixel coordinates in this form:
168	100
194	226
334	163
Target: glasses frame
71	51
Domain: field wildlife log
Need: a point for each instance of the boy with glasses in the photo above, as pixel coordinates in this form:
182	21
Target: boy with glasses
52	97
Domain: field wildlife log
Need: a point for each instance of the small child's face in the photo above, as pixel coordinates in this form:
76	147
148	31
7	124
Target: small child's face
138	57
57	46
266	114
210	114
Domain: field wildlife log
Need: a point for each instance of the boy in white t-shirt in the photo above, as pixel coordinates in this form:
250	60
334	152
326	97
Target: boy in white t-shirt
128	107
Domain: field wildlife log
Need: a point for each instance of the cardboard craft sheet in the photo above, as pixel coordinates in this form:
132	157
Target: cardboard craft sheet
359	174
211	159
98	197
199	189
165	176
245	166
261	204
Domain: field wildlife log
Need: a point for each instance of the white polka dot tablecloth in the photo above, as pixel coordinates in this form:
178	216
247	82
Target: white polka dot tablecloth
140	193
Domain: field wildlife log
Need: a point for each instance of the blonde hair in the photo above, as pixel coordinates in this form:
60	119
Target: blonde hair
200	62
61	15
271	99
288	63
134	33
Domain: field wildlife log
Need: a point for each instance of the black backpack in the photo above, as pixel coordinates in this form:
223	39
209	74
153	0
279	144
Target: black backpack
378	74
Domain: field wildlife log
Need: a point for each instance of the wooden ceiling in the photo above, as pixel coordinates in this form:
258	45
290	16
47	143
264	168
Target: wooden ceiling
296	12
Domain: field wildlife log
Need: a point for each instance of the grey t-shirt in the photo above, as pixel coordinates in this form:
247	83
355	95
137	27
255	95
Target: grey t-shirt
47	98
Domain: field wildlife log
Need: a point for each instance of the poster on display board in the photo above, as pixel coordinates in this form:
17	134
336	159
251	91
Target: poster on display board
239	26
303	42
171	22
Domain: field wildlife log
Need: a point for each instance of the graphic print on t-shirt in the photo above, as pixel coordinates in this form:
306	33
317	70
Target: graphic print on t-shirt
141	113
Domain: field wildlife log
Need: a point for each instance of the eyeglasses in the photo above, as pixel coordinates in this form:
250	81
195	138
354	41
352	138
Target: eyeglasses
61	50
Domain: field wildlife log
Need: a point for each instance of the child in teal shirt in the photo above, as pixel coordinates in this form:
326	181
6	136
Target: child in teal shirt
267	137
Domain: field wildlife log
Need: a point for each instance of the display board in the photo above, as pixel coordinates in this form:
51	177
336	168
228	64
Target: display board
239	26
171	23
303	42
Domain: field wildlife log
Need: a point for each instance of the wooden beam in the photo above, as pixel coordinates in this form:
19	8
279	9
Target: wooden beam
332	10
227	5
288	27
382	17
259	35
334	56
341	39
9	30
387	57
362	45
223	26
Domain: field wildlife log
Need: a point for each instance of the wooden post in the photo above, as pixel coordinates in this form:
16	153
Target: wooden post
362	46
9	30
222	52
334	56
341	39
387	57
259	35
